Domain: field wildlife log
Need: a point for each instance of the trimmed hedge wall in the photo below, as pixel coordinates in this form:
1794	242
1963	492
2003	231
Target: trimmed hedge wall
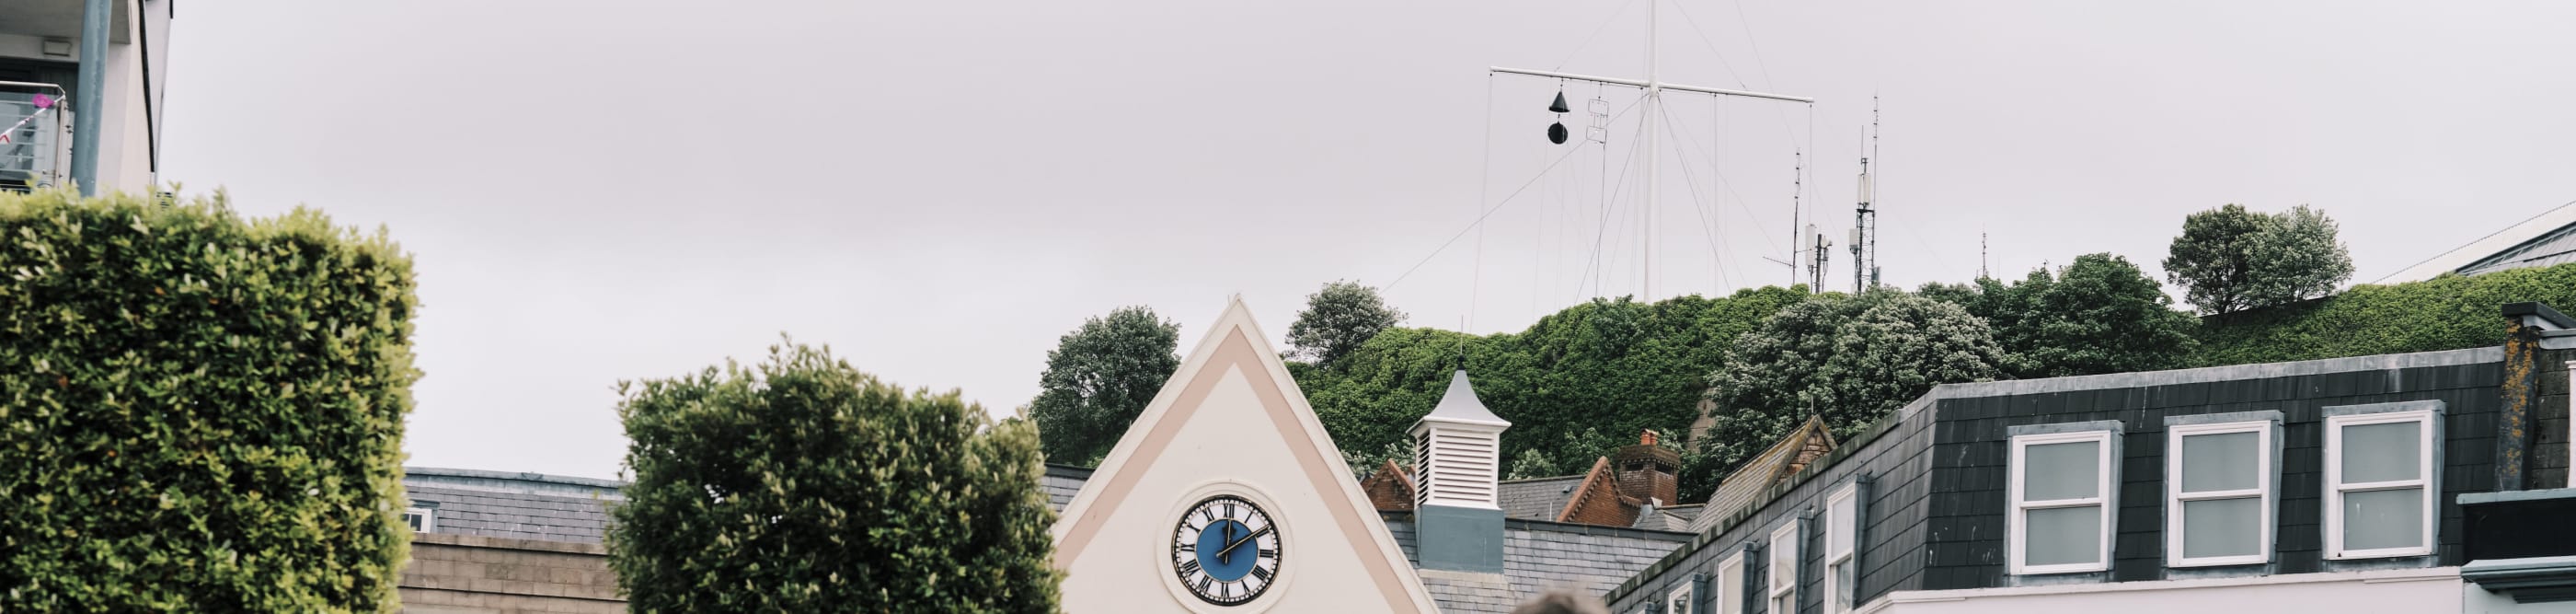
2444	313
198	411
801	484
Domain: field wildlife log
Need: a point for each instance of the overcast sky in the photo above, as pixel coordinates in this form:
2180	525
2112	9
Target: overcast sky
597	191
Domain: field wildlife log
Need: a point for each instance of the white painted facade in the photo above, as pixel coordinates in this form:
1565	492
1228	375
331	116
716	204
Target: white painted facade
39	41
1230	422
2436	589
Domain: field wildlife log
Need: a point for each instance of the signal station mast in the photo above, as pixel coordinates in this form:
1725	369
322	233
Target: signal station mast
1655	87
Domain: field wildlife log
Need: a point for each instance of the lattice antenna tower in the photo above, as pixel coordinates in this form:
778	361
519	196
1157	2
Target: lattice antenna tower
1864	233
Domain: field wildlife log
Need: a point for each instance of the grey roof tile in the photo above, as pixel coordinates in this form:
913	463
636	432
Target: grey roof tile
1537	498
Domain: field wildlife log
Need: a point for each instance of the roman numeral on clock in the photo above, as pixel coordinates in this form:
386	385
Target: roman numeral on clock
1189	567
1203	583
1261	572
1269	553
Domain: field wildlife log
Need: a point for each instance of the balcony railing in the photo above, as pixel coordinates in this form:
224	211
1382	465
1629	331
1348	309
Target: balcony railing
35	149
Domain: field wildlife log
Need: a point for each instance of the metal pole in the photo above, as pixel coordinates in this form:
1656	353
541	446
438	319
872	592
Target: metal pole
1636	83
1654	150
95	20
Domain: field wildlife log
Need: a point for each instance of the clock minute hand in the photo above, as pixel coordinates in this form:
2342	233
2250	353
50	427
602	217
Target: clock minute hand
1246	538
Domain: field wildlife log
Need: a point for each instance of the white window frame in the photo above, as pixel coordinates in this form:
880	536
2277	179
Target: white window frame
1831	583
428	518
1679	600
2263	491
2335	488
1783	539
2013	537
1724	593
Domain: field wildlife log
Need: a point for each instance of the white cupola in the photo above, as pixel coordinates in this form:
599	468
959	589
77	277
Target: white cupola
1458	450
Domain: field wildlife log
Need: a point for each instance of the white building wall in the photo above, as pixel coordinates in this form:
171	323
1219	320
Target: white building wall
2478	601
2432	590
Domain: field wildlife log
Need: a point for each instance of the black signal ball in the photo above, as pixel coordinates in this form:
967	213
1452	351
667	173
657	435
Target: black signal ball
1556	133
1559	105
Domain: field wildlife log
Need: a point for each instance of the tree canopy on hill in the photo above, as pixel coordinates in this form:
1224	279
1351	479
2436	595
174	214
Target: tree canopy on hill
1608	367
2443	313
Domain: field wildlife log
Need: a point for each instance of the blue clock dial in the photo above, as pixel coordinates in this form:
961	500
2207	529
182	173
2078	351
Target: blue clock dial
1226	550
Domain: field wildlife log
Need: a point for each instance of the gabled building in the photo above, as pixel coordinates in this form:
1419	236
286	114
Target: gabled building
2544	240
2426	482
1782	460
491	541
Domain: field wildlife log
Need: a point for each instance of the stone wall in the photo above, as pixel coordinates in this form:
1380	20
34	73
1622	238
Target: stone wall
462	574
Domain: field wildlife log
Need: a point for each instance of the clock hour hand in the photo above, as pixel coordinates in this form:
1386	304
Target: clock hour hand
1247	538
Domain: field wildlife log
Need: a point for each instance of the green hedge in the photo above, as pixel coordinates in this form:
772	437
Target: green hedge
2444	313
804	485
198	411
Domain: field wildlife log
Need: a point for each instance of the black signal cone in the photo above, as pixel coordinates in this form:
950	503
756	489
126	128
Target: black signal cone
1559	106
1556	133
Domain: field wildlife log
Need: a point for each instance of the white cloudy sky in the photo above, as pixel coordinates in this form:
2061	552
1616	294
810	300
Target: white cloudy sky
599	191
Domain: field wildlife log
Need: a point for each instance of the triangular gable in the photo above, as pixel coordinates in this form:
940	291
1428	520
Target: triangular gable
1783	459
1596	500
1232	383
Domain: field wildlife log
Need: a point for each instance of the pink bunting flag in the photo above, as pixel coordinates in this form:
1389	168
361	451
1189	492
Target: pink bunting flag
44	101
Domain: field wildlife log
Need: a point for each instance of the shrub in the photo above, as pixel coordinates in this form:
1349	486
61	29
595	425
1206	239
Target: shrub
198	411
2444	313
804	485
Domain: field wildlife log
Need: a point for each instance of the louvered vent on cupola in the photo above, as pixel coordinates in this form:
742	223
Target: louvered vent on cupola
1458	450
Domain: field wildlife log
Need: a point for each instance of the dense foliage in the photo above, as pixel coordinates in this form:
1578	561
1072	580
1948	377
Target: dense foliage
2099	314
1608	367
198	411
804	485
2444	313
2231	259
1098	378
1337	320
1850	359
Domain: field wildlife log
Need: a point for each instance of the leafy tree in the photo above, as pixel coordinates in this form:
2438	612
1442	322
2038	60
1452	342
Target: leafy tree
804	485
1612	366
1098	378
2231	259
1337	320
2298	258
1850	359
2099	314
198	411
2213	260
1362	462
1532	463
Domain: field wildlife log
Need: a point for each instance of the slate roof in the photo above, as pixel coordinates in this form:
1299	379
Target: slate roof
1538	498
1539	556
2555	248
1668	518
2544	240
513	505
1782	460
1061	482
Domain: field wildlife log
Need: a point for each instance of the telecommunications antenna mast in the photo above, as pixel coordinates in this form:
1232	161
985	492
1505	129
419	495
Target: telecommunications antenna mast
1655	87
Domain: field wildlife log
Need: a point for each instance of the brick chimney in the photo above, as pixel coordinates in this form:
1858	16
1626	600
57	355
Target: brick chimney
1647	472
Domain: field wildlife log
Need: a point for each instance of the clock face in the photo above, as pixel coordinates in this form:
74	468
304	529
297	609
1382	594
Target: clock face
1226	550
